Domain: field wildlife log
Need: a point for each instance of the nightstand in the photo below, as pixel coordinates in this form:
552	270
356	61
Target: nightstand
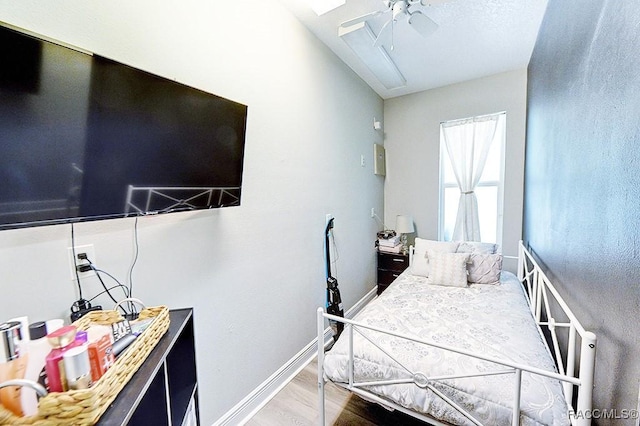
390	265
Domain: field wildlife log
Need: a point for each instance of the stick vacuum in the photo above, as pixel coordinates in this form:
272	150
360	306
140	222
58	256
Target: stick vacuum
334	302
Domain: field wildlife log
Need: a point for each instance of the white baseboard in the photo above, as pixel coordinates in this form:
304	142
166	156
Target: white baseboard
252	403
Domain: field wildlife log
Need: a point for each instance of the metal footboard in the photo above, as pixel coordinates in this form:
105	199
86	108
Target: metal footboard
540	289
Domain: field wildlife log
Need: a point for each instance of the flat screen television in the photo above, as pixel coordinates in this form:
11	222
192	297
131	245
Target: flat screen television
83	137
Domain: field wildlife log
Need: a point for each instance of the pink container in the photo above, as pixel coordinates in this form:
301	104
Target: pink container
61	340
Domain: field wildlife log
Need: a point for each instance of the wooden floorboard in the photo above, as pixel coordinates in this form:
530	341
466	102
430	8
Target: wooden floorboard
297	404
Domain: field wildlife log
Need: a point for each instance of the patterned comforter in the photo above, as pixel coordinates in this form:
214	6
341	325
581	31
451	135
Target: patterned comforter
493	320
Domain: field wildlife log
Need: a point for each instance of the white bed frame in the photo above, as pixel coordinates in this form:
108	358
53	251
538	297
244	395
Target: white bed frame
539	289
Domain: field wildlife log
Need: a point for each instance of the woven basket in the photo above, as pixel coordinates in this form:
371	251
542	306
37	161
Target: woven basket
85	406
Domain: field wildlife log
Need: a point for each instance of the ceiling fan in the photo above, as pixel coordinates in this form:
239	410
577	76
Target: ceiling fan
401	11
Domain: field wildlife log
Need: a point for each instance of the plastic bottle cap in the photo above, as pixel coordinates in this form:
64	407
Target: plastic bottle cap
81	337
37	330
62	336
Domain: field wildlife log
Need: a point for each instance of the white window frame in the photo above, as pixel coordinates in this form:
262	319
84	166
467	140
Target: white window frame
442	185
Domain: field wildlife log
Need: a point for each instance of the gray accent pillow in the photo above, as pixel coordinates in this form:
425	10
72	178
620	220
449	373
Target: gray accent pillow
484	268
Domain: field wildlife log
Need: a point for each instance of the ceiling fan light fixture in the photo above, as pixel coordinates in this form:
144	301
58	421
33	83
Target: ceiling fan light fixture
360	38
399	10
422	24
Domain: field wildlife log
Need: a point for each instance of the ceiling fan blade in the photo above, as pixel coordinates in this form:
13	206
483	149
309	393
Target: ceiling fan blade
362	18
422	24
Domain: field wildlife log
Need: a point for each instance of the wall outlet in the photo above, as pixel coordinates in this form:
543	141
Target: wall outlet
89	251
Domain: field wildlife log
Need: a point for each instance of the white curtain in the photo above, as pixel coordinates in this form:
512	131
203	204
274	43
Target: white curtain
468	142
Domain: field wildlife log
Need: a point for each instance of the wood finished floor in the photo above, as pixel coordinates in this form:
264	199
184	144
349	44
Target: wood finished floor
297	404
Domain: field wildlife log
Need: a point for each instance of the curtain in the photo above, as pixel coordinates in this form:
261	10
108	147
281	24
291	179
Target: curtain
468	142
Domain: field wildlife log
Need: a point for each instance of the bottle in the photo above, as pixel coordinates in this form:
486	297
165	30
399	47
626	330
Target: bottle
54	324
38	349
24	328
100	347
13	363
82	337
77	367
61	341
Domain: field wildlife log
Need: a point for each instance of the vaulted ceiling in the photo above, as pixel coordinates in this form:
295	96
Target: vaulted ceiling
473	39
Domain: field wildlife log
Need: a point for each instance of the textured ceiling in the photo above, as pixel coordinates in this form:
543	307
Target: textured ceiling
475	38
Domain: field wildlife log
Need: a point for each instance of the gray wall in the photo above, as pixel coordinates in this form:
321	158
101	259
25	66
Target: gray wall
254	273
582	185
412	144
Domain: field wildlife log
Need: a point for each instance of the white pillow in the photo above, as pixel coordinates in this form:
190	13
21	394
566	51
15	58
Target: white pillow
448	269
484	268
420	263
476	247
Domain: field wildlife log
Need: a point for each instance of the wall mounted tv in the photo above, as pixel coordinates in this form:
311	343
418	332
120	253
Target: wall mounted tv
83	137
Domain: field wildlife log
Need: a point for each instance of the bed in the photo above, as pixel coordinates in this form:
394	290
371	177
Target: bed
466	354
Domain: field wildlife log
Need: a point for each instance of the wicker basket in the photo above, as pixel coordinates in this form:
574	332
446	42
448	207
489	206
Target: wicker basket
85	406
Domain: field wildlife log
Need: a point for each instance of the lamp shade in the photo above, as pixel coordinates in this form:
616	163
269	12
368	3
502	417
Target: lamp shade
404	224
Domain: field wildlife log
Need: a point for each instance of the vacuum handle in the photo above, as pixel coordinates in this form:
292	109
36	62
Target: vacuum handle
327	230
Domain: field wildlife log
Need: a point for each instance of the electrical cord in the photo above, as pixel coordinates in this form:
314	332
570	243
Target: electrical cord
102	282
123	287
106	289
377	218
81	303
73	251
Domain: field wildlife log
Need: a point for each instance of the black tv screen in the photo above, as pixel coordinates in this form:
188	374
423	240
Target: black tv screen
83	137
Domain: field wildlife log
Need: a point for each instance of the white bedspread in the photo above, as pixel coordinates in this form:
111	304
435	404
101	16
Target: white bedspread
492	320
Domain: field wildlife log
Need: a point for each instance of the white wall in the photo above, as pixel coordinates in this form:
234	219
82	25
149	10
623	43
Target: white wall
254	273
412	144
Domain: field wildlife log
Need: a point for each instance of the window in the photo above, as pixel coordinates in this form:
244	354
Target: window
477	145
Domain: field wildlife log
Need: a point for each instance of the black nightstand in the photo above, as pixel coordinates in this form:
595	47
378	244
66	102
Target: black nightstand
390	265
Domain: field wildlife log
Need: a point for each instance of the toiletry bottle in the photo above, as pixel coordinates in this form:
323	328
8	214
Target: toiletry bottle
61	341
82	337
77	367
100	350
54	324
38	348
12	365
24	328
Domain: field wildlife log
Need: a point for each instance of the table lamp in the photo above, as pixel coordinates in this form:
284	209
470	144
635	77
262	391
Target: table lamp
404	226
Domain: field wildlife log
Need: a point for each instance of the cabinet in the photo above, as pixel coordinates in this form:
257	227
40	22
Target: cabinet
164	391
390	265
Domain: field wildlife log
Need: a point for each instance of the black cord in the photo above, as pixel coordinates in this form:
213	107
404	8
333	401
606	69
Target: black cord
105	291
102	282
123	287
132	307
73	251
